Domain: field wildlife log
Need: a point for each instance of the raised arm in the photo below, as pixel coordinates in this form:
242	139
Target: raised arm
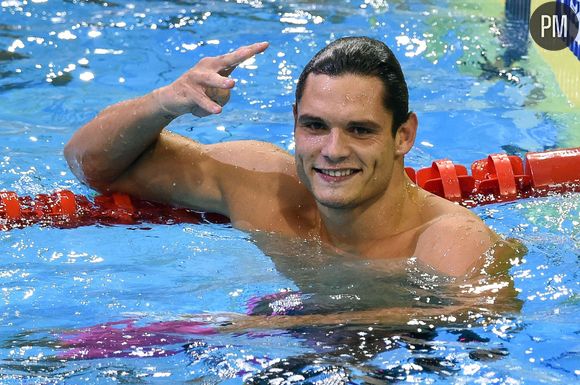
125	148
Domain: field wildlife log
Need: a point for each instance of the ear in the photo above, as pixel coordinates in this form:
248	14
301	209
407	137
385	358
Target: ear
295	112
405	136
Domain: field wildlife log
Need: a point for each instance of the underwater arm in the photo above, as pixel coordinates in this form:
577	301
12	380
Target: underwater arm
487	294
397	316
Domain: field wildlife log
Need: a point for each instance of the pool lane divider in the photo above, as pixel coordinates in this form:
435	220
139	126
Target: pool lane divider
64	209
502	178
497	178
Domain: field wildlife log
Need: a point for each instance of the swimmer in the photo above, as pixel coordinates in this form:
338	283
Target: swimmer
345	186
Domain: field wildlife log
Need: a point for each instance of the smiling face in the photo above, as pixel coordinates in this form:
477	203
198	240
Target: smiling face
345	152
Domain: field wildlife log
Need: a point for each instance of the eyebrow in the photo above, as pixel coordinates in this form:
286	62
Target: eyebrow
306	118
364	122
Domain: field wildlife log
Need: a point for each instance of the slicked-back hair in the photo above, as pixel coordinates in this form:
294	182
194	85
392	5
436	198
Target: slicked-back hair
366	57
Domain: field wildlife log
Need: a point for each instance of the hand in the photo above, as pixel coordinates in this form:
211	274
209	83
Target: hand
205	88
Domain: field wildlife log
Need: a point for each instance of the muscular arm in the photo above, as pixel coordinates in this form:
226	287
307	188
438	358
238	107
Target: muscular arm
126	149
456	314
108	145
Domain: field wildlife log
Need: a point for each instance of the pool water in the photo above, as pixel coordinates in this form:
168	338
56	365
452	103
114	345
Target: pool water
172	290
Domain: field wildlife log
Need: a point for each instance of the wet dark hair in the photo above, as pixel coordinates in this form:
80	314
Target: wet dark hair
367	57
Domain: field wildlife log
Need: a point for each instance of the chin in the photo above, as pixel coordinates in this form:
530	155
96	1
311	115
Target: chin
334	202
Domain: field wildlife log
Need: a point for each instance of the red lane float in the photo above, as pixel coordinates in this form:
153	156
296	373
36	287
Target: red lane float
65	209
500	178
497	178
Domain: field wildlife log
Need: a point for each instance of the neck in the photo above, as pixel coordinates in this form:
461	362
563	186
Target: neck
357	229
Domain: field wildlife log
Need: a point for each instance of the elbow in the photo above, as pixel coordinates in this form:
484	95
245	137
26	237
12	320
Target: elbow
85	167
74	160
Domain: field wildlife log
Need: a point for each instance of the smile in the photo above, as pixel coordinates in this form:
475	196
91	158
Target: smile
336	173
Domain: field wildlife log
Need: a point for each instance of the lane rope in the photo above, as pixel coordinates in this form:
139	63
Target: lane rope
497	178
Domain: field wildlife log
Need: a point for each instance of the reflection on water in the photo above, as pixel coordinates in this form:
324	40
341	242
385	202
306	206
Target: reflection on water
346	320
333	354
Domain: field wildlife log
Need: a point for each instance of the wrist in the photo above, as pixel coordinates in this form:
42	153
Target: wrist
158	96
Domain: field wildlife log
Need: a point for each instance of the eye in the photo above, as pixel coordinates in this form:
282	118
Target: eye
360	130
314	125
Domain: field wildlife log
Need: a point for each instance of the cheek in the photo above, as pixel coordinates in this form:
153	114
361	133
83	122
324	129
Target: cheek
380	164
384	166
300	169
306	146
372	153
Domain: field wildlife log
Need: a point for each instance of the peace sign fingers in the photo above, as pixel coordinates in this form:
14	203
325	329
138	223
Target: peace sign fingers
226	63
205	88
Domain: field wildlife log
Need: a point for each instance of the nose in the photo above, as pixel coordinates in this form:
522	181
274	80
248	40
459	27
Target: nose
335	147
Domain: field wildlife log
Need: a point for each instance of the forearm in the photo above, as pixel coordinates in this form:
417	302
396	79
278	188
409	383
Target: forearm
389	316
105	147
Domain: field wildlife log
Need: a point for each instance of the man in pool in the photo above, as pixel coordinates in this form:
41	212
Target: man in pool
345	186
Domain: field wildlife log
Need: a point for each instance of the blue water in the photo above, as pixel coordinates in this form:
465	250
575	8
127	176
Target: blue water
96	53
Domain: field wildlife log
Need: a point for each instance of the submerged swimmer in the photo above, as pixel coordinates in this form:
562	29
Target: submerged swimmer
345	186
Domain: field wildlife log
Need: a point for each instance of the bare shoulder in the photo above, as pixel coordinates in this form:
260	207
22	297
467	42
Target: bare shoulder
251	170
249	154
454	241
252	155
260	187
219	177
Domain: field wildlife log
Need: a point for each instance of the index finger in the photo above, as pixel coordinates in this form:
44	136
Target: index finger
228	62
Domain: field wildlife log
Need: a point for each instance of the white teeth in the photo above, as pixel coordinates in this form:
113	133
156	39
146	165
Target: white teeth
337	172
